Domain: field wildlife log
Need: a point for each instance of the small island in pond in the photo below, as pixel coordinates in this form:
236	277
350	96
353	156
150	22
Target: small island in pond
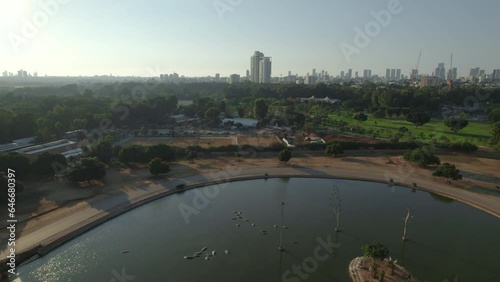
376	265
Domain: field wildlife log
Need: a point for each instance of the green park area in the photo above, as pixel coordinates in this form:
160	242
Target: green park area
477	133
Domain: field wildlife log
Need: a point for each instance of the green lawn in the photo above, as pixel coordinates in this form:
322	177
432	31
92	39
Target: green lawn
476	132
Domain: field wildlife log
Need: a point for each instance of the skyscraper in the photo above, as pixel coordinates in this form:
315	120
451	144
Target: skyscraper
398	74
387	74
440	72
265	70
393	74
414	74
234	78
474	72
349	74
342	74
495	75
254	66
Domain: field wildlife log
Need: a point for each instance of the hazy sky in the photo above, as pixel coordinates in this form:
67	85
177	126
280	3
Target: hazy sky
193	38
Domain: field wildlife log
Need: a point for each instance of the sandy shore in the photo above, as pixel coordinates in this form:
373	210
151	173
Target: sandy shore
58	217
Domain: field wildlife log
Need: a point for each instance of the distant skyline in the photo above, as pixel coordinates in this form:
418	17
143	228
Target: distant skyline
205	37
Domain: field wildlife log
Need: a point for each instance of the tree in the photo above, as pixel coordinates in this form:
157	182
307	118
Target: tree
421	156
299	119
334	149
241	112
495	136
418	118
103	150
212	115
494	115
189	110
448	170
48	164
456	124
403	129
285	155
361	117
222	106
191	155
381	276
86	169
15	161
161	151
260	108
375	250
158	166
380	113
133	154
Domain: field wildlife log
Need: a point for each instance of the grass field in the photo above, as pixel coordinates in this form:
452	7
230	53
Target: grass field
476	132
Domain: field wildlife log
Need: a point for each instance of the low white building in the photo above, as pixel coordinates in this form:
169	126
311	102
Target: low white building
244	121
324	100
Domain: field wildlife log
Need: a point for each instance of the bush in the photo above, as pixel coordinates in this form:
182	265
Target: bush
421	156
375	250
86	169
158	166
15	161
461	146
448	170
161	151
133	154
102	149
191	155
48	164
285	155
334	149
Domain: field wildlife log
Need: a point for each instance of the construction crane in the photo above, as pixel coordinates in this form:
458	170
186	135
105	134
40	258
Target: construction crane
414	74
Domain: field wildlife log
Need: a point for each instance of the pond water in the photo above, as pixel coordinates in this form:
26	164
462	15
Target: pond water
448	240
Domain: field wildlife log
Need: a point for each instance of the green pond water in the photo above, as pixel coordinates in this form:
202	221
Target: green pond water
449	241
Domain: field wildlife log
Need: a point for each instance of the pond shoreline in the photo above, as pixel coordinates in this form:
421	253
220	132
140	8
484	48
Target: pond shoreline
45	245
